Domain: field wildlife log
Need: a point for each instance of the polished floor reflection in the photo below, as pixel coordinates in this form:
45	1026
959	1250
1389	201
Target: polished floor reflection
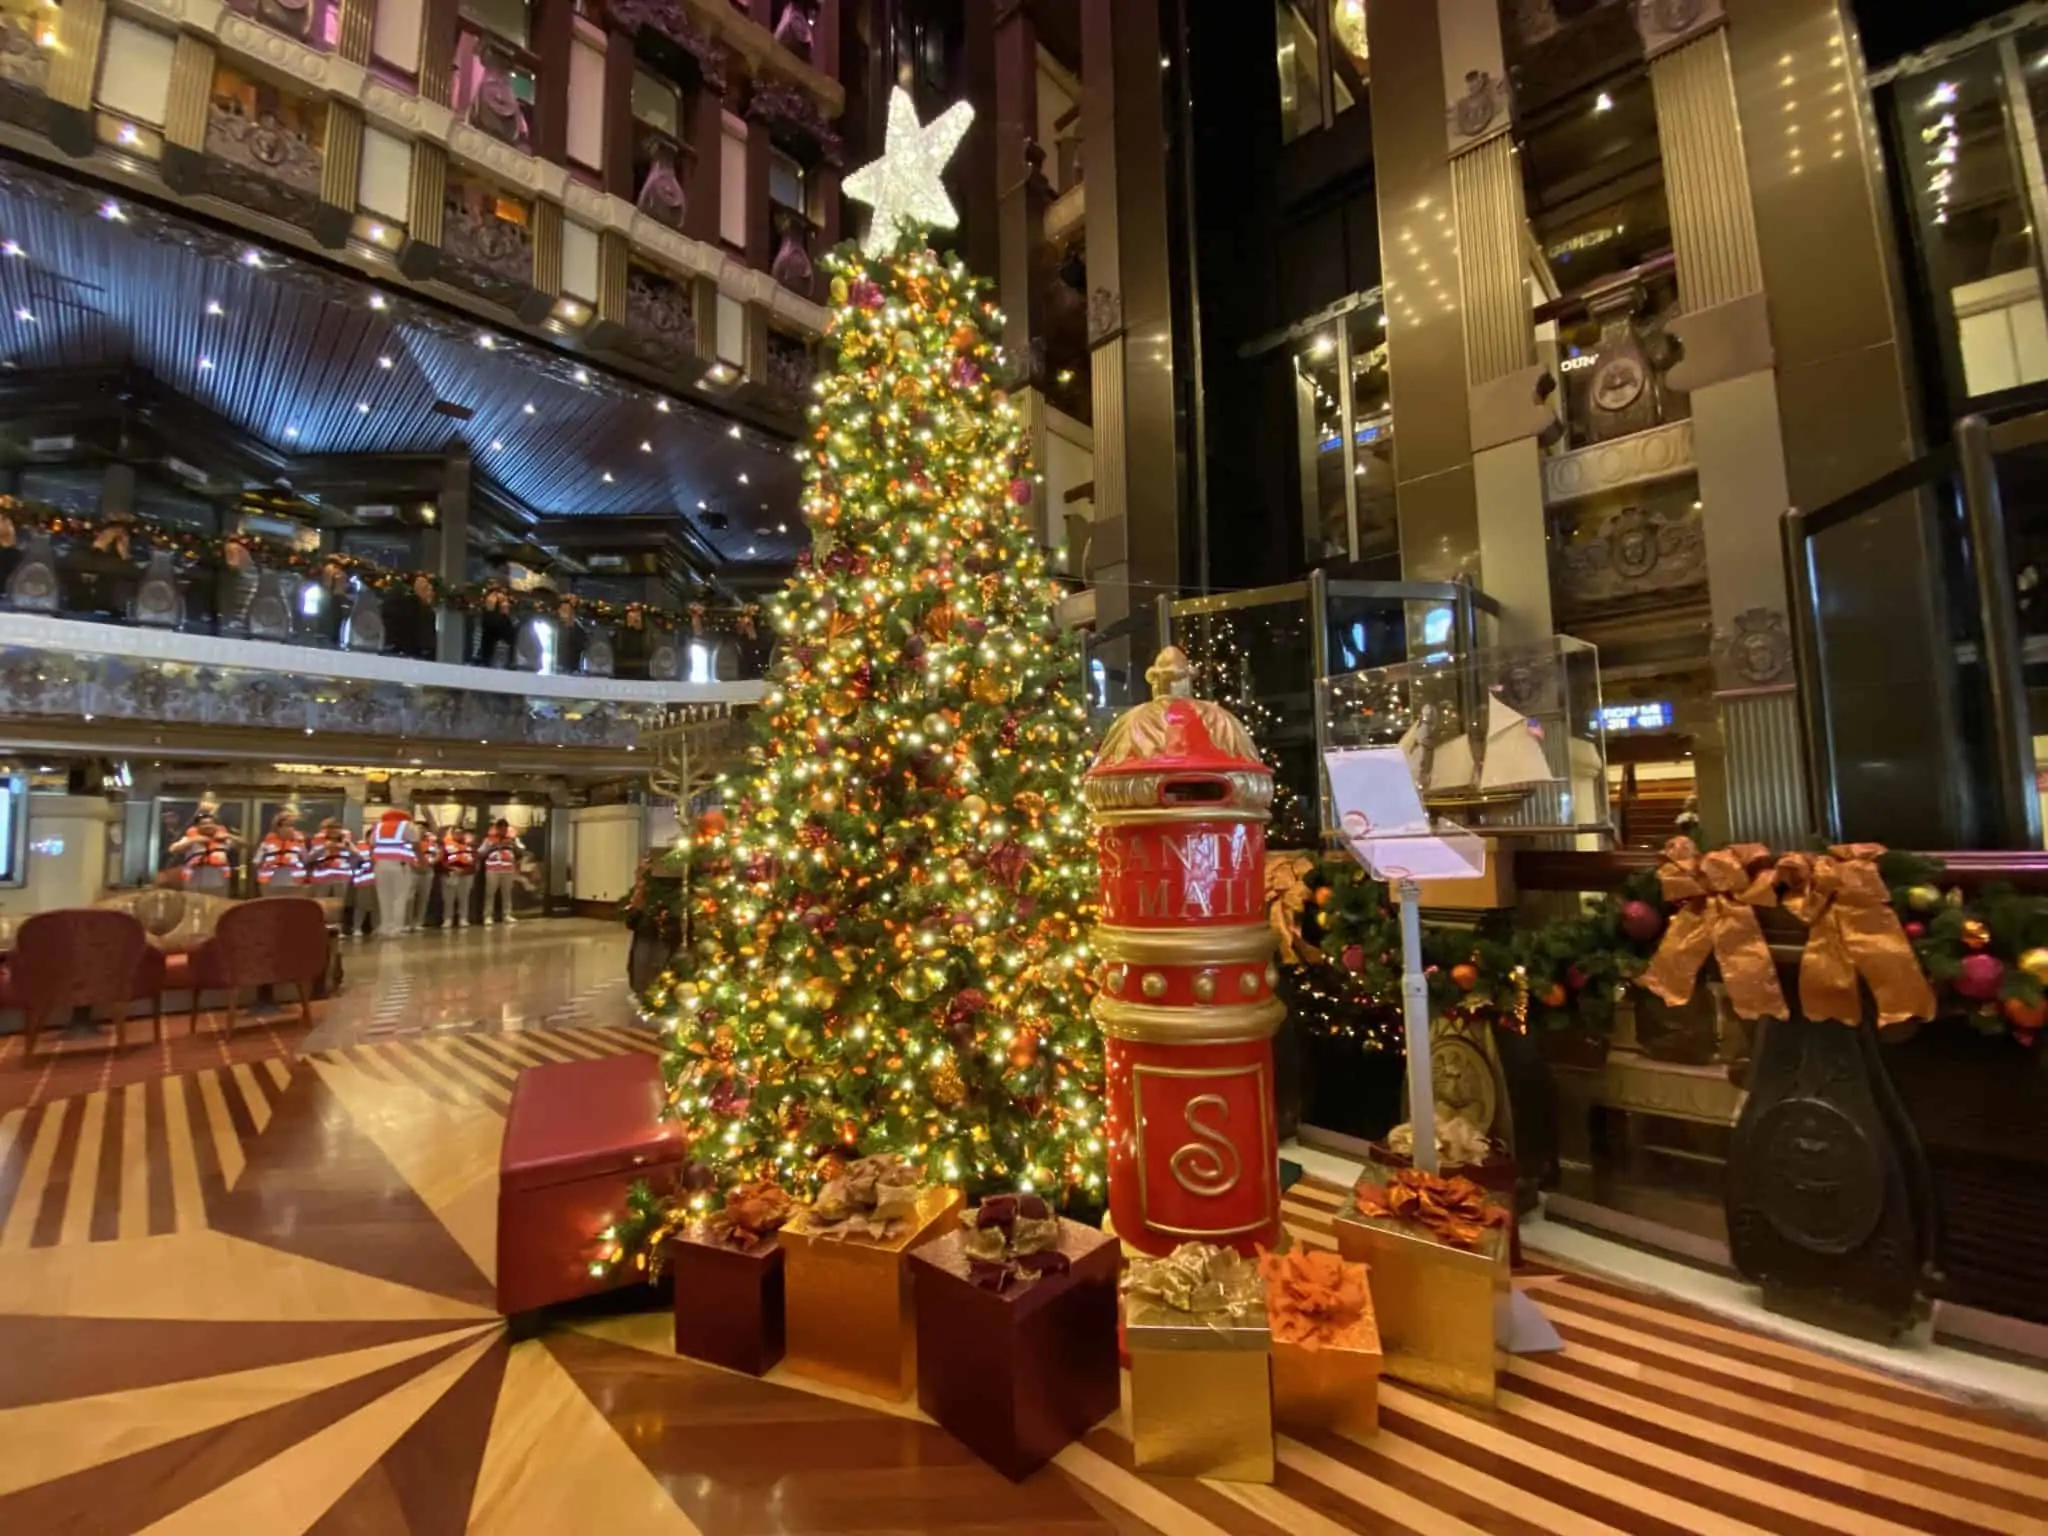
255	1297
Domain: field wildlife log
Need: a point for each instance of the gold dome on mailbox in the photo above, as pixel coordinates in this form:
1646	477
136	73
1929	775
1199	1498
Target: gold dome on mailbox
1172	738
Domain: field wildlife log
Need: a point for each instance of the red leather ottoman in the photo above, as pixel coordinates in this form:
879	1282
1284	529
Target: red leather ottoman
578	1136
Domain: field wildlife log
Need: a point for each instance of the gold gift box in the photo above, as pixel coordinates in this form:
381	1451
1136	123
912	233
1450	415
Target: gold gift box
1332	1389
1435	1303
1201	1397
846	1301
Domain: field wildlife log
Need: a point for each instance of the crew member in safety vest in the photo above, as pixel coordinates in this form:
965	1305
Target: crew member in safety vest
426	863
391	855
458	876
331	869
501	870
281	857
205	854
360	918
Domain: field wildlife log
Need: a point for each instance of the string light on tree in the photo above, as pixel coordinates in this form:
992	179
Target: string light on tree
891	919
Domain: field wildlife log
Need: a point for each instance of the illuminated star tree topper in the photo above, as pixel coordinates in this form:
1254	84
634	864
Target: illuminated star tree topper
903	187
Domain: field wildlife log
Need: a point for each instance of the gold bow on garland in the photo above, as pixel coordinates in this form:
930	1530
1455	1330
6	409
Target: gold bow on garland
1851	932
1287	894
1717	897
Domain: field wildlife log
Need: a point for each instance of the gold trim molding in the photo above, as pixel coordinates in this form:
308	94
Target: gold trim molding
1661	453
1188	1026
1234	945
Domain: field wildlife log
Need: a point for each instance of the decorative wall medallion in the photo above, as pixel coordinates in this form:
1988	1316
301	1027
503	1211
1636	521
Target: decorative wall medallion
158	600
1823	1188
33	586
1635	552
665	661
1666	23
255	135
1485	100
661	324
493	251
1756	649
1105	315
661	191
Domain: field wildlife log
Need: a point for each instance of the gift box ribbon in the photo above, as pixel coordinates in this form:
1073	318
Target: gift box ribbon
1202	1283
869	1199
752	1213
1452	1210
1317	1300
1717	897
1851	932
1010	1238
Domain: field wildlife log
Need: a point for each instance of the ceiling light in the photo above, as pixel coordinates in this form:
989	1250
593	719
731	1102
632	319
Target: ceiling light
1325	344
750	551
128	135
743	477
376	301
607	477
25	317
377	232
488	343
1064	376
733	430
661	406
291	431
497	445
528	407
645	446
362	407
701	507
383	362
1603	103
206	362
11	248
112	210
582	376
252	257
213	307
1944	95
782	527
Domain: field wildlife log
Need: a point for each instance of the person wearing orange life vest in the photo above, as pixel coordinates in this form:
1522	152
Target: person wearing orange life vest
501	870
205	854
331	869
426	863
458	876
360	916
391	857
281	857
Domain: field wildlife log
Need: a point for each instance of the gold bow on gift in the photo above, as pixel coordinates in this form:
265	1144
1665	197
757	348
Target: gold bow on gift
1717	899
1210	1284
1851	931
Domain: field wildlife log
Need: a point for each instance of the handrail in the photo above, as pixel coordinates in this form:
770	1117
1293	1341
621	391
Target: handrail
1538	869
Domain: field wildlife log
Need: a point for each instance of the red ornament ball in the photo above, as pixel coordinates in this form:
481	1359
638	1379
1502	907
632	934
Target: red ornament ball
1553	995
1978	977
1020	492
1641	921
1466	975
1916	931
1354	957
1575	978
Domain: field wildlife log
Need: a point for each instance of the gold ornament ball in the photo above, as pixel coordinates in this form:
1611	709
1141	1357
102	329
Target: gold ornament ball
1153	984
799	1042
839	702
1955	896
1976	933
962	934
838	290
2035	963
965	429
960	870
975	806
1923	898
991	688
945	1087
911	984
906	343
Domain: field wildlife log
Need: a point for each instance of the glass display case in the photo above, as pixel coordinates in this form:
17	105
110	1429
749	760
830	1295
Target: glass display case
1504	738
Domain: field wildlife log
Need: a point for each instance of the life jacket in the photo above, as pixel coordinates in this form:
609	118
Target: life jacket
426	853
391	839
332	860
365	866
204	850
501	854
458	858
285	851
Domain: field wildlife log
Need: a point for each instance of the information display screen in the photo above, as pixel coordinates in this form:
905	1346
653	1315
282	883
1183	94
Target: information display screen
13	829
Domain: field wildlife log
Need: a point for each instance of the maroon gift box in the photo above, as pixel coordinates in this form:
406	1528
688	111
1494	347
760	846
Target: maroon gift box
728	1303
1016	1375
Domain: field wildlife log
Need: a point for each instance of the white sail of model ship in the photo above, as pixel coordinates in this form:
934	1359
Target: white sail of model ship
1441	770
1514	752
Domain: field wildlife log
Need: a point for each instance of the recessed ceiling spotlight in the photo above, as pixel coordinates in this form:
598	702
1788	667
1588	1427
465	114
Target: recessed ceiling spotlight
582	376
112	210
607	477
528	407
733	430
743	477
291	431
645	446
1603	103
659	405
12	248
362	407
488	343
750	551
205	362
252	257
497	445
376	301
25	317
782	527
213	307
703	506
383	362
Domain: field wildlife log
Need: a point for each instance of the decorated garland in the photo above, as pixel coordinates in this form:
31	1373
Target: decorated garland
189	546
1874	919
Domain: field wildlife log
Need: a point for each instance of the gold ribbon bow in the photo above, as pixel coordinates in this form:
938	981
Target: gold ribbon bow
1851	931
1212	1285
1286	896
1717	898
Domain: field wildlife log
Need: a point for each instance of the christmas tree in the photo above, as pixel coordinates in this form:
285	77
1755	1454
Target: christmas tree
891	918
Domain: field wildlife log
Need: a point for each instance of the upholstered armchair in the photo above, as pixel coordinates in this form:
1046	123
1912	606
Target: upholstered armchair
81	957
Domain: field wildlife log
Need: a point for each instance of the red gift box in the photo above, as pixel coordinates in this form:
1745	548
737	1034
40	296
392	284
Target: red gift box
728	1303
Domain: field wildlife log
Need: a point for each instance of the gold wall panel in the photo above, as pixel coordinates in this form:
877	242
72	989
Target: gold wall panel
191	86
1706	184
1486	188
1766	768
358	23
75	62
547	246
341	167
612	251
1439	525
429	189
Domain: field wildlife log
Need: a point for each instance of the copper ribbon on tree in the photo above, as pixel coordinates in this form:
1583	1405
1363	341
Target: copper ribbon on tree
1717	897
1851	931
